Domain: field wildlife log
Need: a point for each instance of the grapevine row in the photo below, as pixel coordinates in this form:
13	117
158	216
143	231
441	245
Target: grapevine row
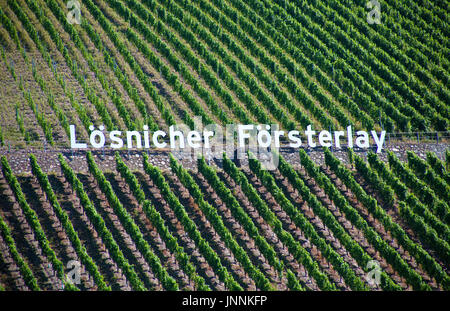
156	219
25	270
387	194
72	64
280	74
61	16
299	253
380	69
330	221
390	56
424	172
130	226
67	225
32	219
190	227
427	225
160	28
425	194
359	222
238	212
40	117
100	226
311	45
438	167
283	46
170	56
302	222
214	218
345	175
111	91
148	86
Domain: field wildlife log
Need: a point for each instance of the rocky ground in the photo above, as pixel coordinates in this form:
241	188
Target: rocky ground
48	159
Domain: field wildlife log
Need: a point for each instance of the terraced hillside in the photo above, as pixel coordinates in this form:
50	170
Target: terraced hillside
294	63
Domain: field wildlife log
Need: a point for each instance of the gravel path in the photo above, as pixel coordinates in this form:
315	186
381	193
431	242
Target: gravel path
48	159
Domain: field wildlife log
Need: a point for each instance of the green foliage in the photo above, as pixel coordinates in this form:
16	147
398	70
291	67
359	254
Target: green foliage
122	77
351	214
447	159
424	193
67	225
330	221
25	270
339	40
293	283
372	236
294	247
19	119
212	215
89	91
428	226
428	176
239	213
2	137
130	226
438	167
148	86
295	62
301	221
381	185
34	223
155	218
40	117
188	224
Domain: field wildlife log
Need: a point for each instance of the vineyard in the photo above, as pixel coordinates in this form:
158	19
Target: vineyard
224	224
